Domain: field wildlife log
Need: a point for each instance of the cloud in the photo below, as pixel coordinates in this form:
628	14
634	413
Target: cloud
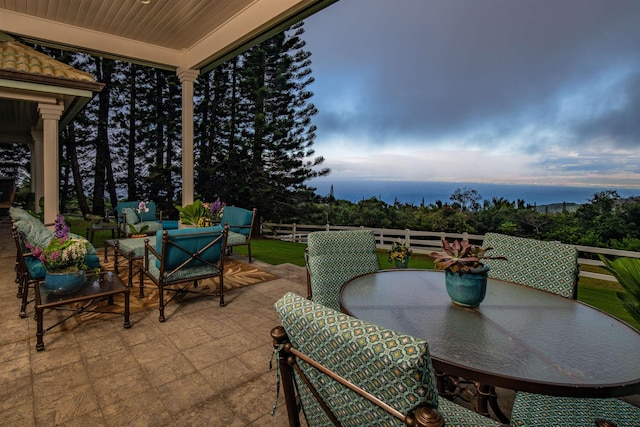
524	79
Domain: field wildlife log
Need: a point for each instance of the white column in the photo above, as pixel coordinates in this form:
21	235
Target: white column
50	114
37	165
187	77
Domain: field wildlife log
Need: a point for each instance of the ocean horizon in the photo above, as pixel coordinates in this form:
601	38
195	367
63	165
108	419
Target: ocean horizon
414	192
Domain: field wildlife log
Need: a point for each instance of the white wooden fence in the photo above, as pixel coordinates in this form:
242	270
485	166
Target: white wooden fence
424	242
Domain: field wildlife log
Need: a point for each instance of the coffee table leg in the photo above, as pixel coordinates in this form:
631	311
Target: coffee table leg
115	259
130	284
141	282
40	332
127	323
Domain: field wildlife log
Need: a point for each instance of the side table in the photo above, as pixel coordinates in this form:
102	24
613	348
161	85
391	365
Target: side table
97	287
91	230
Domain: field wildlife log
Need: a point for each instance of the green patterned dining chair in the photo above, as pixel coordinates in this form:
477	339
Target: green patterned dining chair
536	410
351	373
550	266
335	257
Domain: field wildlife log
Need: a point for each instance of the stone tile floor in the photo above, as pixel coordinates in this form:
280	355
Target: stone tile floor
205	366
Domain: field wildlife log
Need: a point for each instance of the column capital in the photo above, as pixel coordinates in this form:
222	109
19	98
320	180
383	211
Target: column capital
187	74
50	111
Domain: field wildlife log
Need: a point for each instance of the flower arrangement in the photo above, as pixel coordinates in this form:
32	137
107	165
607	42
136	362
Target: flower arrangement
63	254
399	251
213	211
201	214
142	208
460	257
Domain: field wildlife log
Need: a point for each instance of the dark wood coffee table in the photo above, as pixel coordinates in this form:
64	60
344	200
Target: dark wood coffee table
97	286
91	230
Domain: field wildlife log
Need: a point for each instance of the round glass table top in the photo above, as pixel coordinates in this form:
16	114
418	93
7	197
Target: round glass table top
519	337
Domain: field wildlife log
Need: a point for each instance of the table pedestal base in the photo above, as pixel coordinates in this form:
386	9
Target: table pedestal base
481	396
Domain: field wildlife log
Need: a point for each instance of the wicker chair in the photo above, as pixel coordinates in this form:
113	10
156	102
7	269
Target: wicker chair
352	373
335	257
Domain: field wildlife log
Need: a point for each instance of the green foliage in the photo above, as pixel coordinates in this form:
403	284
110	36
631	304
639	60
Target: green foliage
627	271
611	223
143	229
190	214
460	256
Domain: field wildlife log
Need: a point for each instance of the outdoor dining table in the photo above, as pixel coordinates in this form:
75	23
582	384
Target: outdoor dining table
519	338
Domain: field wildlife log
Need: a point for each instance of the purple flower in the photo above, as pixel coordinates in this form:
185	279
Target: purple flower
61	229
216	207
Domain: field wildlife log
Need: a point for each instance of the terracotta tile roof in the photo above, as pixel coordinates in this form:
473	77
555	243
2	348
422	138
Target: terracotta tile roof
20	58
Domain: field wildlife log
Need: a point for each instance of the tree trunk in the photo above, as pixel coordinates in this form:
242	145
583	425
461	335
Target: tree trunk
72	155
104	70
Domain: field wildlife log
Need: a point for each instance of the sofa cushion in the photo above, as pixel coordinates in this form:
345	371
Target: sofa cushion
34	233
131	216
234	239
35	267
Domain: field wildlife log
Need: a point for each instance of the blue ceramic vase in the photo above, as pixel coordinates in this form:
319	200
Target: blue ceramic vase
468	289
64	283
402	264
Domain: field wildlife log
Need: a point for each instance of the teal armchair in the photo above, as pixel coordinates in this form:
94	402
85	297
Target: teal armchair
240	222
127	214
181	258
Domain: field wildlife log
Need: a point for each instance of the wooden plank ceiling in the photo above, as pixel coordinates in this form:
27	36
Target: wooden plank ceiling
167	33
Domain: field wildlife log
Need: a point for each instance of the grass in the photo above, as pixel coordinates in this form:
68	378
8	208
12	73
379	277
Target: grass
600	294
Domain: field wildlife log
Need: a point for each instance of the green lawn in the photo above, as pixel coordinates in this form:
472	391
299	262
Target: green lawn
597	293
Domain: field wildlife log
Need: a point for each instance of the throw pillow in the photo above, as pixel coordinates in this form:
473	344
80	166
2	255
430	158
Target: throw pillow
130	215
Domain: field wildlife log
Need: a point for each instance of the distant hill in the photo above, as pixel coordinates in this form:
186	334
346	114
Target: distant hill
558	207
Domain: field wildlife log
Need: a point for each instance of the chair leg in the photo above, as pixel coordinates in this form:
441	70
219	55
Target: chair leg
161	302
221	290
25	298
249	251
20	281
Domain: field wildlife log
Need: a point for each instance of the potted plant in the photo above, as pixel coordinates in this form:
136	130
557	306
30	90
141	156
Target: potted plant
142	231
399	254
201	214
465	274
64	259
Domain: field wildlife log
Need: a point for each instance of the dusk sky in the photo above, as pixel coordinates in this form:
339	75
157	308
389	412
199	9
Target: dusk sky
503	91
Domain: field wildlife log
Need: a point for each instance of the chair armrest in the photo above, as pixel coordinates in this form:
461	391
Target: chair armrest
148	248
